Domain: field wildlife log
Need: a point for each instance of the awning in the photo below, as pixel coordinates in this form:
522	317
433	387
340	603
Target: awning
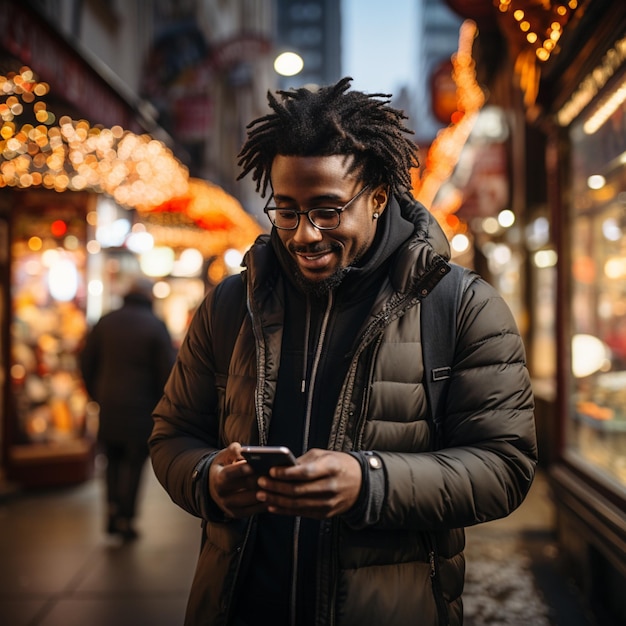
206	217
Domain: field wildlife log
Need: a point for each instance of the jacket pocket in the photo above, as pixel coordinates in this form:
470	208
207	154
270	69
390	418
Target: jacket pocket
394	595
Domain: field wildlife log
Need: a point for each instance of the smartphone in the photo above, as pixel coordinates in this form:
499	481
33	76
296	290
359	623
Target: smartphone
261	458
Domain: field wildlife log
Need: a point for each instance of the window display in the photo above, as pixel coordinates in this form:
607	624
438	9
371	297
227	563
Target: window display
48	324
596	434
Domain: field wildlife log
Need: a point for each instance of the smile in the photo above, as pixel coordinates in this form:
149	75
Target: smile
313	260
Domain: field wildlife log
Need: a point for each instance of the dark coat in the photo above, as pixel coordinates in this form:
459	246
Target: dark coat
407	566
125	362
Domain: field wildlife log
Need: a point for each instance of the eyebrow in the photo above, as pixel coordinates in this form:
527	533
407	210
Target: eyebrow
312	201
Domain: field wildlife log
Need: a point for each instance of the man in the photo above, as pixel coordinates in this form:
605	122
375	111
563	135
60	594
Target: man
317	347
125	363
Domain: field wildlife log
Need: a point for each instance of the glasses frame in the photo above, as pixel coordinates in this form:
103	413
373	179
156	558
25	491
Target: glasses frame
338	210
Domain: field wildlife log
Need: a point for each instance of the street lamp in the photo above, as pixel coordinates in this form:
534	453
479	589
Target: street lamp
288	64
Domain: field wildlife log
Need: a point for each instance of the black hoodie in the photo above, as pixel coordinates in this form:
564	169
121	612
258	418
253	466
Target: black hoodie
267	586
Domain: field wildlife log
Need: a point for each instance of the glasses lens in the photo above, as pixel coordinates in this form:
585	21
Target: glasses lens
283	218
324	218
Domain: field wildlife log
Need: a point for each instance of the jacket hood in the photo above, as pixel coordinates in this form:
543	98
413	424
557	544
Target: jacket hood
424	259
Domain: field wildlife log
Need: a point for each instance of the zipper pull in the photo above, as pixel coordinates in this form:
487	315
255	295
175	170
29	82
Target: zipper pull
303	386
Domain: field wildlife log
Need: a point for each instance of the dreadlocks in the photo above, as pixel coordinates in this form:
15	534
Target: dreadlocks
331	121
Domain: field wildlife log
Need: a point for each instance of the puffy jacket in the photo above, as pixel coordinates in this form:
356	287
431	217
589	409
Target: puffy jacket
408	566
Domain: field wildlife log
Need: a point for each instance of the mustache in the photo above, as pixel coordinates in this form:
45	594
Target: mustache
315	248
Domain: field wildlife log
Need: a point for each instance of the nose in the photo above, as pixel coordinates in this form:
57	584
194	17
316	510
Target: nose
306	232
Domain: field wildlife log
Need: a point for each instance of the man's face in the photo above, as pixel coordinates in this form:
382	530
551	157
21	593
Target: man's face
303	183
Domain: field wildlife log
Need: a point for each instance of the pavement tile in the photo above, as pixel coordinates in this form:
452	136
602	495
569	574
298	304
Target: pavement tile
128	610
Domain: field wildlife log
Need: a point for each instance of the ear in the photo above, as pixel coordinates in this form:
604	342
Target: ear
379	199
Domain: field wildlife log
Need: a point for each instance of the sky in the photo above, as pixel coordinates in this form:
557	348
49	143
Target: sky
378	43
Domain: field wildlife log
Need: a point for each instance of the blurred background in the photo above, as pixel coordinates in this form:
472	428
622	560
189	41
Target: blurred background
121	124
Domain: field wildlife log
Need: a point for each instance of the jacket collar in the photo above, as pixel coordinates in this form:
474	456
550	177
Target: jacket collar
423	260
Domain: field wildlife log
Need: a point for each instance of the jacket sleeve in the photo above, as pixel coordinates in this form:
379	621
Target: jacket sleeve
186	421
164	354
486	464
88	359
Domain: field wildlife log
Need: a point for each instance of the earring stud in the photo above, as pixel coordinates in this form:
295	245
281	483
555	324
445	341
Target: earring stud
375	216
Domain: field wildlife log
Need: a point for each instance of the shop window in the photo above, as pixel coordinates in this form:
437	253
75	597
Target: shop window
48	321
596	432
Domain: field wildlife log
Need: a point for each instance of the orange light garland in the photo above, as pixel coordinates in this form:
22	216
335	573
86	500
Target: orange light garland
443	154
535	30
136	170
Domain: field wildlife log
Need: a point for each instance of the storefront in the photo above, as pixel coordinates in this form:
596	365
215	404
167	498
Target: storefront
72	257
558	69
66	135
588	170
48	437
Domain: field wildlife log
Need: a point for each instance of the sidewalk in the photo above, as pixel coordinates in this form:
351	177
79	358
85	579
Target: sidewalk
58	569
513	576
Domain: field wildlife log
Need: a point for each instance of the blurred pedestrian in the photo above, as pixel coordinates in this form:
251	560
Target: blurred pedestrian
125	362
322	345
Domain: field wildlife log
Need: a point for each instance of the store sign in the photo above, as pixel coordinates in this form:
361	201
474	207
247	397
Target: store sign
33	43
193	117
443	89
243	48
488	190
473	9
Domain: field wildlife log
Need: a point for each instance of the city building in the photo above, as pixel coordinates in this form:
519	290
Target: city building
311	29
437	39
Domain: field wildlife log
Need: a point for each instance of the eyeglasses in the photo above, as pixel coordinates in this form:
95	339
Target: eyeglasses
323	218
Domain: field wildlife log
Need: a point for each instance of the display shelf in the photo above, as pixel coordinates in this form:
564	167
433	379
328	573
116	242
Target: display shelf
606	425
51	464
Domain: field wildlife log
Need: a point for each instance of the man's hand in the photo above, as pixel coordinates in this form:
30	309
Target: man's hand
233	484
323	484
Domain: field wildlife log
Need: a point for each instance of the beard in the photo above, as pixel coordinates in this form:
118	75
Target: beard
319	288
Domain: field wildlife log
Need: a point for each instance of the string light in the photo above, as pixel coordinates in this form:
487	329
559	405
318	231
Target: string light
541	24
605	109
593	82
136	170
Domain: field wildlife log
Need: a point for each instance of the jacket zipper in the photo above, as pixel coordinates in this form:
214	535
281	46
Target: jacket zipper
307	426
383	319
241	550
334	567
260	365
440	602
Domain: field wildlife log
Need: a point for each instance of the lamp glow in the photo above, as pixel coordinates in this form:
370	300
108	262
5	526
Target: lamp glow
157	262
589	354
63	280
288	64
